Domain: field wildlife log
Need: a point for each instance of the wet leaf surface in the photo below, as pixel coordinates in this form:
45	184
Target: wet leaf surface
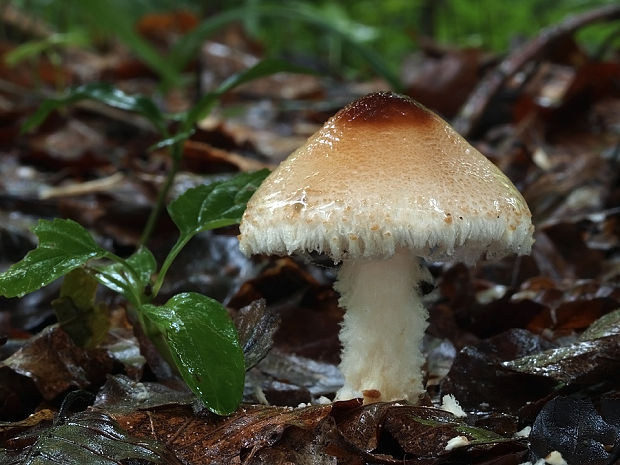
121	395
478	378
63	246
40	419
53	362
578	363
573	427
210	439
204	345
88	437
256	326
214	205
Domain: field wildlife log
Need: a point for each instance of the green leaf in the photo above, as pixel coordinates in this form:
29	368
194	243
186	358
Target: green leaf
113	17
262	69
63	246
77	311
178	138
101	92
34	48
188	45
205	348
129	277
214	205
206	207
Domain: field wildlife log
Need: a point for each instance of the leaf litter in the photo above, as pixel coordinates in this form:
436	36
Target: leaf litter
527	342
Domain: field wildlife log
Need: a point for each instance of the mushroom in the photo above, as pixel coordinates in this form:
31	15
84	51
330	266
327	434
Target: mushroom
383	186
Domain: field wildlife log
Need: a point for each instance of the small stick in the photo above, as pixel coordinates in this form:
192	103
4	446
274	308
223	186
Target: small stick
535	49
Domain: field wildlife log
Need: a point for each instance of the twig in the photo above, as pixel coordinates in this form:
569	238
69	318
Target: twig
534	49
241	162
83	188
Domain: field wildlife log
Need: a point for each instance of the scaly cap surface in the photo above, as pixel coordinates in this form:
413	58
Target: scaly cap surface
381	174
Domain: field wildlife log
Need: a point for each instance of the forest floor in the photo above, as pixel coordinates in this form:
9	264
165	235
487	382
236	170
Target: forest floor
529	346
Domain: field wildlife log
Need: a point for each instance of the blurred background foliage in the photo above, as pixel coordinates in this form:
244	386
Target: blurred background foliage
321	32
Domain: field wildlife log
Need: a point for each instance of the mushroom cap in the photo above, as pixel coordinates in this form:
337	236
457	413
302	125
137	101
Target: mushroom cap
386	173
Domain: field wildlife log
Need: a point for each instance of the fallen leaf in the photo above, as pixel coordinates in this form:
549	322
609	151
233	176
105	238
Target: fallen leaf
478	378
55	364
256	326
590	361
213	440
573	427
88	437
121	395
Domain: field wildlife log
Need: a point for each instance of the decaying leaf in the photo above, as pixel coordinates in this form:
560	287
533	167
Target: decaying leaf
298	375
573	427
123	347
607	325
78	314
55	364
88	437
580	362
210	439
256	326
398	433
515	334
477	377
594	358
120	395
12	429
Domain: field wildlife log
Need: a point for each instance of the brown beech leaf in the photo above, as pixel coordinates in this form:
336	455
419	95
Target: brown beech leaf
87	437
203	157
607	325
280	375
443	78
278	281
572	316
418	431
582	362
256	326
477	376
38	418
121	395
163	28
573	427
310	316
210	439
55	364
393	433
303	447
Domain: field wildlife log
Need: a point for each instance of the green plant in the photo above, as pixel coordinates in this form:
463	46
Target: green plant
116	18
192	331
35	48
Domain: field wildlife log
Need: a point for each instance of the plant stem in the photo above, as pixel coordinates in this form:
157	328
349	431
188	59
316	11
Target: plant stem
168	261
162	195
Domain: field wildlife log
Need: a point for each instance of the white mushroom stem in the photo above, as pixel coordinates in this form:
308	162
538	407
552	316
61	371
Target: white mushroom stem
383	327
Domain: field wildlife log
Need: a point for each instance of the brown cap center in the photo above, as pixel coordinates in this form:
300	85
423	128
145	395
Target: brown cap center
385	108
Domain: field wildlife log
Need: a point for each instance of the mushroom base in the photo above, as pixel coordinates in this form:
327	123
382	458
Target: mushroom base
383	327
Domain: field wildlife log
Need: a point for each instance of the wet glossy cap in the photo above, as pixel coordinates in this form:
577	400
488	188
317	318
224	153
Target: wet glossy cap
386	173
